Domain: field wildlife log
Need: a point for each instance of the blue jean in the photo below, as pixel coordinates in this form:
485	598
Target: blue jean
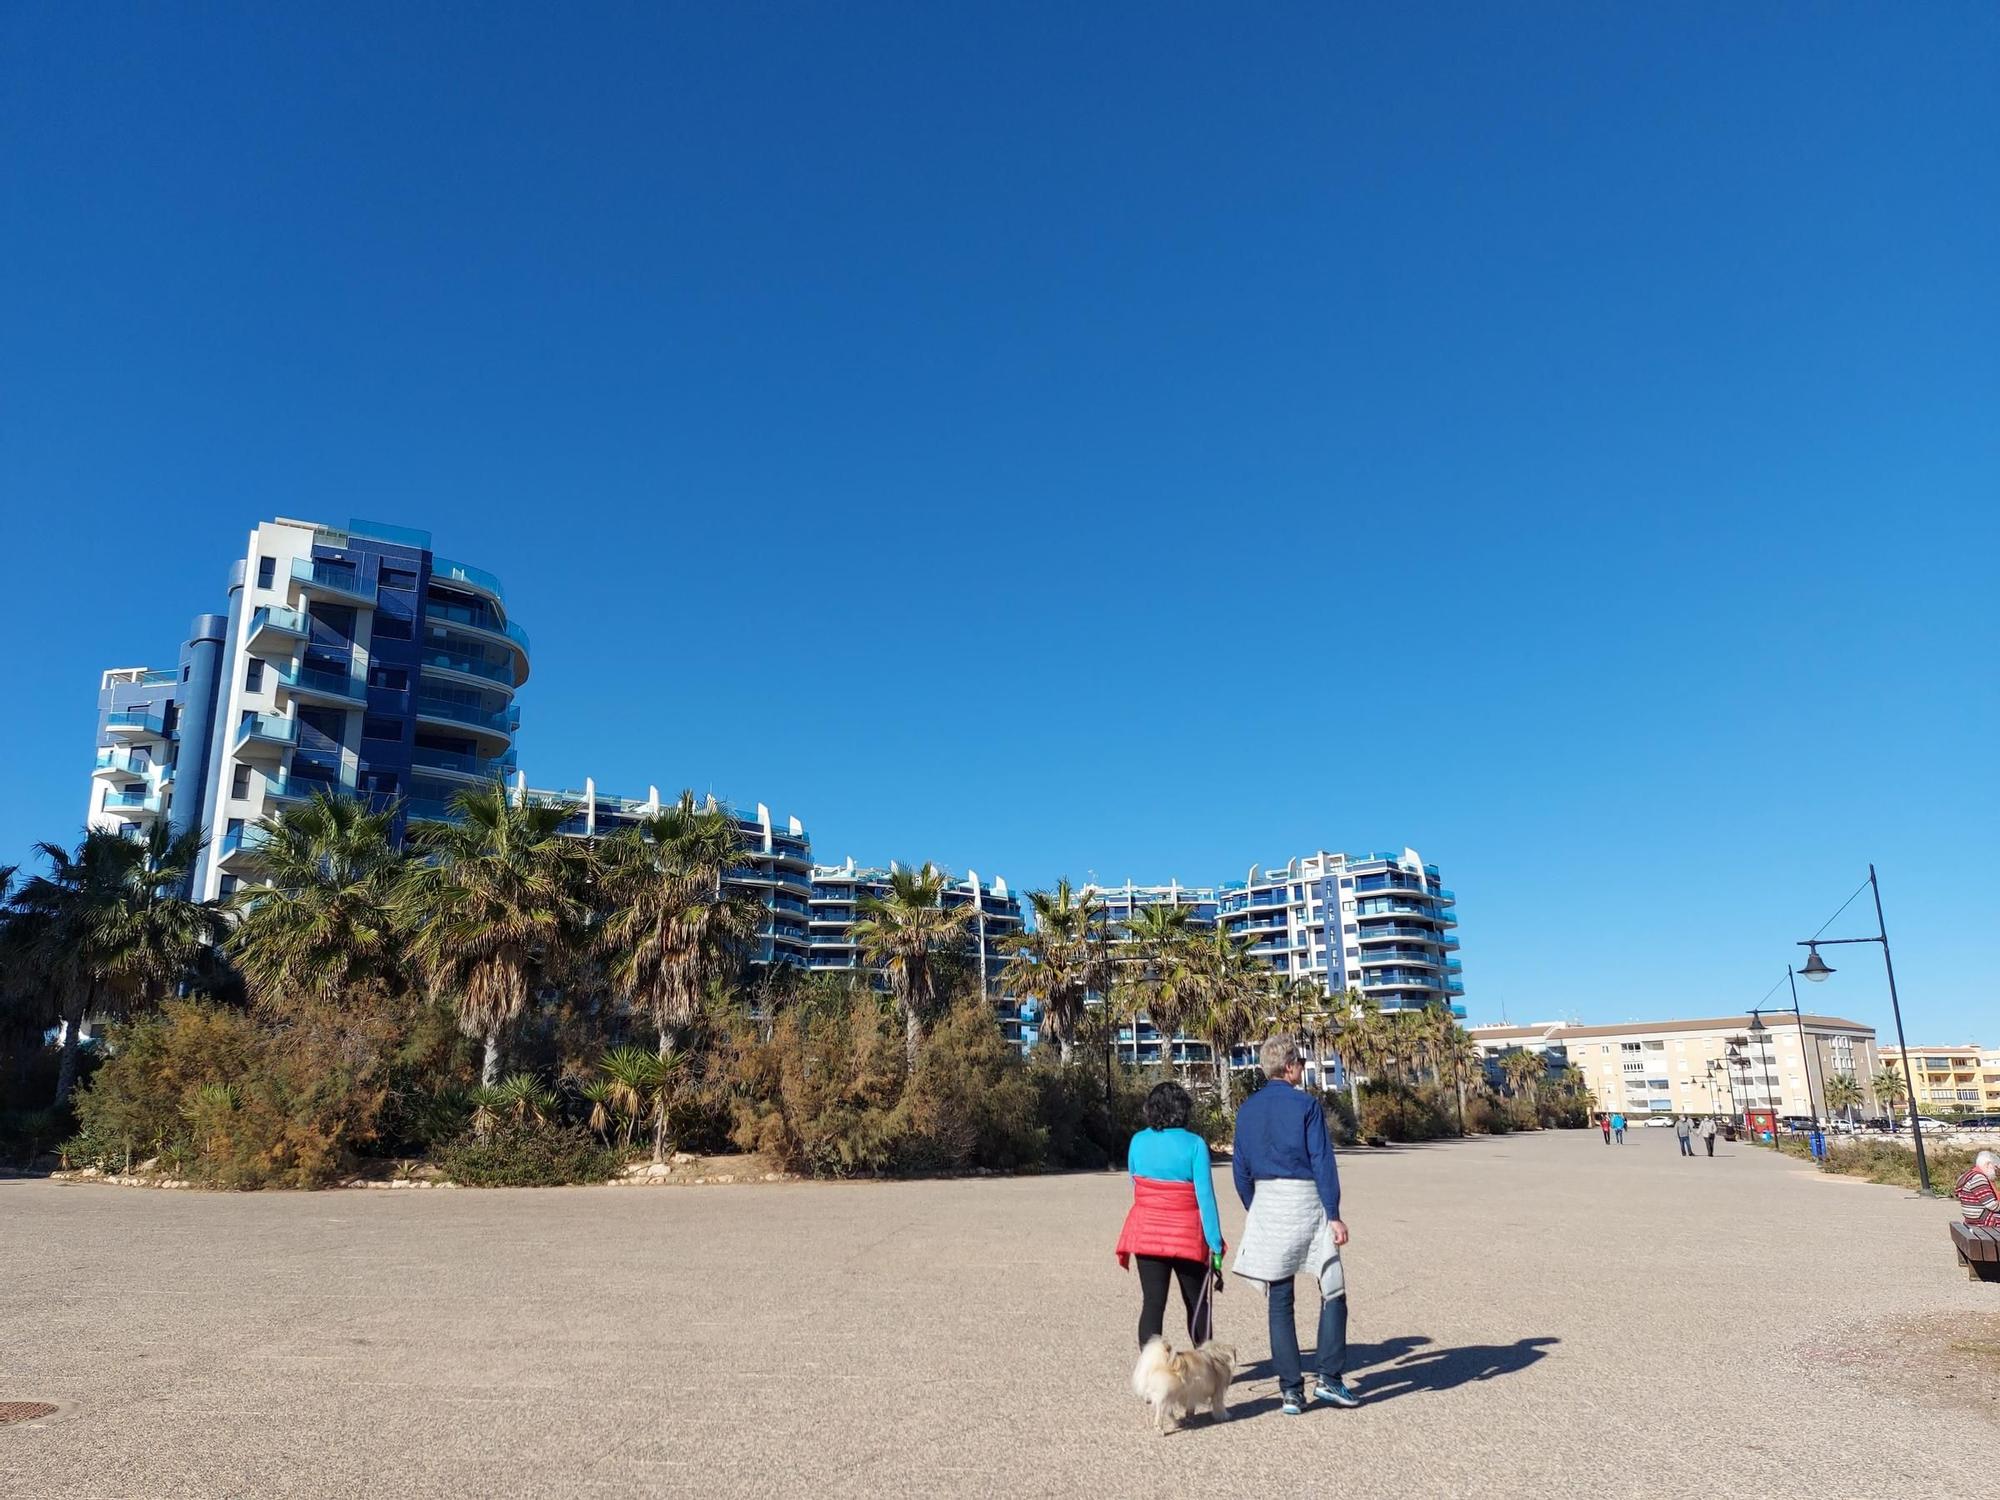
1687	1145
1332	1351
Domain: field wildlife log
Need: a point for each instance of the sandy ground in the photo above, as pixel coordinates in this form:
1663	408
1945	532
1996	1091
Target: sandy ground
1540	1315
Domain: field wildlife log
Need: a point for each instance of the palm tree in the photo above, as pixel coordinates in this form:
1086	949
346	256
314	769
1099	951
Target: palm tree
326	925
1227	983
1062	961
1843	1094
108	928
1153	965
674	928
1890	1087
492	902
1357	1020
903	934
1524	1071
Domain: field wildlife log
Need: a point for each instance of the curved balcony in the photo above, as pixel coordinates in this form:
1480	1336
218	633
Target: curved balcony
463	767
320	685
265	735
499	726
122	765
134	806
464	575
275	630
1401	956
240	847
338	583
130	724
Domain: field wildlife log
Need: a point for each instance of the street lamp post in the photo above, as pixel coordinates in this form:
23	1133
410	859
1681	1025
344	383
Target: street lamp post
1760	1038
1805	1050
1817	970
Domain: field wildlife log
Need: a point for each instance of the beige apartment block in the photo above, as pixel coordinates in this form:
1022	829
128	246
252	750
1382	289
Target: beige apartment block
1963	1078
1711	1066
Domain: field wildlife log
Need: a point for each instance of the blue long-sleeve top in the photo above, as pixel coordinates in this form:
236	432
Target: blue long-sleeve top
1281	1132
1179	1156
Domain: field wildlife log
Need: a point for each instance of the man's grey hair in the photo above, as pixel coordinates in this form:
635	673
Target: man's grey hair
1986	1159
1276	1055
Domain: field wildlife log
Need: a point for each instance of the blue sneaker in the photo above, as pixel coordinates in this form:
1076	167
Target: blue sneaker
1336	1394
1294	1402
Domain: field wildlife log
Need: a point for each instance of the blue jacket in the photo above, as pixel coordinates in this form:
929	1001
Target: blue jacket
1179	1156
1281	1132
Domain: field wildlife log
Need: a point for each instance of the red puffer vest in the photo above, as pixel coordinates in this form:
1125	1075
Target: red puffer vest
1165	1220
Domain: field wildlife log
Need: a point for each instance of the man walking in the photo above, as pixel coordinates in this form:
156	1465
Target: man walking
1708	1134
1618	1127
1604	1124
1684	1133
1286	1178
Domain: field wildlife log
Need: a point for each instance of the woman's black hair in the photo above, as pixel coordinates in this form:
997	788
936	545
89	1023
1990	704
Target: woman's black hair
1168	1106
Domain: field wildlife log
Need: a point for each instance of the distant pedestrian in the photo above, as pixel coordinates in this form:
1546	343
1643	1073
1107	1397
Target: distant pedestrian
1604	1124
1684	1133
1286	1178
1977	1200
1708	1134
1618	1128
1173	1230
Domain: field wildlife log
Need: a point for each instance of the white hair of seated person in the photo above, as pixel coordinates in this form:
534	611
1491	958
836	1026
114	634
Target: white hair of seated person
1987	1162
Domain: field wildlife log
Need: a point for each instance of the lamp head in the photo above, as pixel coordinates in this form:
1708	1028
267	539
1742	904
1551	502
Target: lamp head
1816	968
1757	1029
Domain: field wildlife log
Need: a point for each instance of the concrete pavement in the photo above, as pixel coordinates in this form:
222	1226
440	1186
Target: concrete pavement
1536	1314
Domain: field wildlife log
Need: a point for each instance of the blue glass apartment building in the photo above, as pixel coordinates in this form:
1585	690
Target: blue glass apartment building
352	660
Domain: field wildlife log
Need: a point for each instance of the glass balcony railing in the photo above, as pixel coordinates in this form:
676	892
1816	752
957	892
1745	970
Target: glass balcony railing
132	802
130	721
506	721
124	763
323	681
280	621
245	840
340	577
457	572
1392	930
485	768
472	666
1398	955
478	618
269	728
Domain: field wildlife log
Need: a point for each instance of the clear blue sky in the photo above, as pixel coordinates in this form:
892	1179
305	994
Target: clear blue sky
1141	440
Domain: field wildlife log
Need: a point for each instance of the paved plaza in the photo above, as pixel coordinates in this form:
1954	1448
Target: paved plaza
1540	1315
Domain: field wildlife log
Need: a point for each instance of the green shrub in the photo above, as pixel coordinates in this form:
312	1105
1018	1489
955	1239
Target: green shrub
1892	1163
26	1134
528	1155
1485	1115
235	1099
1397	1111
970	1102
1340	1121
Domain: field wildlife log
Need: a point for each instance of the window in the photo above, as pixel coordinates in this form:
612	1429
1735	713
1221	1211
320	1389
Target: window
229	885
397	678
253	676
239	782
267	571
186	673
380	727
1628	1047
390	627
398	578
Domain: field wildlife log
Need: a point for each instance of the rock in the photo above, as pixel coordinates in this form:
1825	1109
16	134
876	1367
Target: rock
91	1172
149	1164
726	1177
683	1159
658	1169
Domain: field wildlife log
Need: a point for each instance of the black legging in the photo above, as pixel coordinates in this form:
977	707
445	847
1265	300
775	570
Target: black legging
1153	1274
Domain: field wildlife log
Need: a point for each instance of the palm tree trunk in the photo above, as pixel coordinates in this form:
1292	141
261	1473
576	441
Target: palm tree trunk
913	1037
489	1068
72	1024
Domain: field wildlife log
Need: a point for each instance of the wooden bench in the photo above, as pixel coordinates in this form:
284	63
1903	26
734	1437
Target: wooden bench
1978	1251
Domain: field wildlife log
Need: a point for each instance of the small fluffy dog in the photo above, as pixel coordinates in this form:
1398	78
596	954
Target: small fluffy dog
1177	1385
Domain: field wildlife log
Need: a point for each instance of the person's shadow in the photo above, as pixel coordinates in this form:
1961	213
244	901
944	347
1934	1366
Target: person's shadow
1405	1364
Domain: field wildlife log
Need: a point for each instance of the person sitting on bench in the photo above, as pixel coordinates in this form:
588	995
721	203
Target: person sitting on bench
1977	1199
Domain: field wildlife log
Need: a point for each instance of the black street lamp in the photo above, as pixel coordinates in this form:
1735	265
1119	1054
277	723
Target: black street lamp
1805	1049
1817	969
1760	1038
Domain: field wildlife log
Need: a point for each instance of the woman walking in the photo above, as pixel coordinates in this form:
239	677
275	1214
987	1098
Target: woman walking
1173	1230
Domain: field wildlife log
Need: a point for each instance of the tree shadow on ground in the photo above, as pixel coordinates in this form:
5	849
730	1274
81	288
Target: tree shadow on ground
1406	1364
